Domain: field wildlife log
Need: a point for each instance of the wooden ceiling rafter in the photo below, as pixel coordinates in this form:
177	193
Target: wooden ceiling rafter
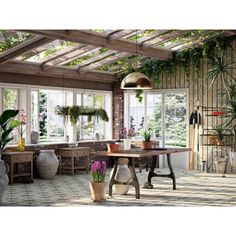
185	40
23	47
95	59
83	51
153	36
109	60
167	37
60	54
100	40
200	42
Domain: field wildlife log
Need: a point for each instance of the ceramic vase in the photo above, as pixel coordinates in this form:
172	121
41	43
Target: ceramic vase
123	175
47	164
21	145
98	191
3	179
34	137
127	144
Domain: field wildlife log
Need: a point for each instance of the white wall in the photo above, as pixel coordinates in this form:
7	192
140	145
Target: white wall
178	161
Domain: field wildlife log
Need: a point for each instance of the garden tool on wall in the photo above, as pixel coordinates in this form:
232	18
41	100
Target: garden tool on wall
195	120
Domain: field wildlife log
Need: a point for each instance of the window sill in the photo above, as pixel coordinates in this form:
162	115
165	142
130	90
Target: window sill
64	143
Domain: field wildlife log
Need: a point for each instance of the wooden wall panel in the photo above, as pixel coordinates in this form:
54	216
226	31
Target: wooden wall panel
199	91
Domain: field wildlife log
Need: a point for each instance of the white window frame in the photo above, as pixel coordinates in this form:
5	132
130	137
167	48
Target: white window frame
27	103
162	92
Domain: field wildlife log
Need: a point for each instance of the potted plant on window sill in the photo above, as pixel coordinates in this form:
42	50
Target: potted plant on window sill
147	143
98	184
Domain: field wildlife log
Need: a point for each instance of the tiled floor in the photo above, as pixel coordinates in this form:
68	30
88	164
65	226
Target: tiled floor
193	189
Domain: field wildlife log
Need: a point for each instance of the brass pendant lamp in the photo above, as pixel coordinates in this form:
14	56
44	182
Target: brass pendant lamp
136	80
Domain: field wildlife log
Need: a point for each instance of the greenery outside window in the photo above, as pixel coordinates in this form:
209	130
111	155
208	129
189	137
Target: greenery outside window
164	112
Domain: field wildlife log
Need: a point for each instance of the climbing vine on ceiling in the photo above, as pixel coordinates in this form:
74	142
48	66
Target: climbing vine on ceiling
182	59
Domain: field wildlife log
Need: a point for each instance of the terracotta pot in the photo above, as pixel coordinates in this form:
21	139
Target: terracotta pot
146	145
98	191
212	140
112	147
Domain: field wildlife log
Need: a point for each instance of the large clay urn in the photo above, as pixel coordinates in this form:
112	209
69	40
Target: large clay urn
3	179
123	175
47	164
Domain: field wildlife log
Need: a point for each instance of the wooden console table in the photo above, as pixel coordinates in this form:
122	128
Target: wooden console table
20	164
76	158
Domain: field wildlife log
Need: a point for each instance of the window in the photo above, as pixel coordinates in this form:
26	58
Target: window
50	126
162	112
89	129
13	97
39	103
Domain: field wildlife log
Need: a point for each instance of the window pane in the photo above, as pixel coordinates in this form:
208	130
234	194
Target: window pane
136	114
51	126
10	97
154	117
10	101
34	111
175	119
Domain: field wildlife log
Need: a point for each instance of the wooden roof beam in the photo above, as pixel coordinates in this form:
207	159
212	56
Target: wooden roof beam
31	68
24	47
100	40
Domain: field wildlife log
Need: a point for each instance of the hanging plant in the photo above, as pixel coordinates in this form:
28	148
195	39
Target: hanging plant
73	112
139	95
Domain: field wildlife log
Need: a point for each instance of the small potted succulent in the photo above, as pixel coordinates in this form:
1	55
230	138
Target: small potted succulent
147	143
98	184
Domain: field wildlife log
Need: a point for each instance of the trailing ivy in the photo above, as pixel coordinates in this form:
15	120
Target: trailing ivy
186	59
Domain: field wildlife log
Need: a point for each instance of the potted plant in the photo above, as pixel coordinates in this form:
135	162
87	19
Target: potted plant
147	143
98	184
7	124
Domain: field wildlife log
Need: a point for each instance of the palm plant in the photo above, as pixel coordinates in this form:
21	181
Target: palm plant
220	70
7	124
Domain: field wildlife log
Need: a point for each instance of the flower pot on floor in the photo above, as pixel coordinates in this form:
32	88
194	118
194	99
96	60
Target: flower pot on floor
123	175
98	191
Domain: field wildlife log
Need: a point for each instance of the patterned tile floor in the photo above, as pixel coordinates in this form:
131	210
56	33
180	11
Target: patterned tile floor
193	189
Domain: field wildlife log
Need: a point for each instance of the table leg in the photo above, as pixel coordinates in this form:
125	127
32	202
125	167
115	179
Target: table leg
172	174
151	173
112	179
134	182
72	165
11	173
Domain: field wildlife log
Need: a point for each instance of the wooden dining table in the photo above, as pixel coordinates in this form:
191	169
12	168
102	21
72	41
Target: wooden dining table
135	153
